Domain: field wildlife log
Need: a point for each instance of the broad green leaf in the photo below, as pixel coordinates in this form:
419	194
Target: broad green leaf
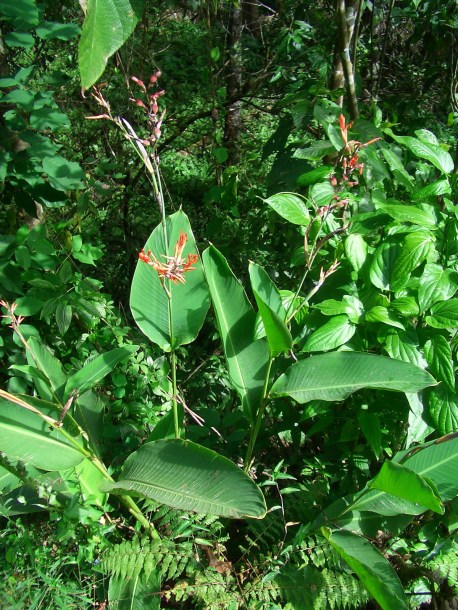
88	411
400	481
370	425
436	284
383	315
26	436
93	372
107	26
415	249
332	334
406	306
186	476
63	317
246	359
19	40
53	119
316	175
49	30
444	314
443	409
322	193
441	187
291	207
335	376
89	478
351	306
382	503
271	309
371	567
397	168
139	591
438	461
63	175
431	152
418	429
410	213
50	366
316	150
356	250
23	13
404	346
383	262
438	354
175	322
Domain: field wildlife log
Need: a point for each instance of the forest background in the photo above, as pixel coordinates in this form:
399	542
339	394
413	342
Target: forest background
295	444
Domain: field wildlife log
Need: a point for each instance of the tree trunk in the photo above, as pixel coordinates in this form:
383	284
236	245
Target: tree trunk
233	122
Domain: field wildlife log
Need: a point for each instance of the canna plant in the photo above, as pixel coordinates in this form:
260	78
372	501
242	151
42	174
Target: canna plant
60	428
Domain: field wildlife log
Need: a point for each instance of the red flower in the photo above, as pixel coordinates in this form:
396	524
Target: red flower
176	266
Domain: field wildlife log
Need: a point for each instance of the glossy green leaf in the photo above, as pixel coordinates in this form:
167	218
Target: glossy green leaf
290	207
443	409
322	193
349	305
187	476
93	372
383	315
400	481
50	30
371	567
335	376
63	175
370	426
436	284
441	187
431	152
246	359
63	317
51	367
396	166
418	428
404	346
410	213
89	479
406	306
438	354
356	250
315	175
26	436
272	312
383	263
107	26
332	334
444	314
19	40
22	13
175	322
415	249
53	119
316	150
438	461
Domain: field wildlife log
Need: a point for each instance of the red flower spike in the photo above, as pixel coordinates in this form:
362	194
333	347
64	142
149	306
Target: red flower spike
175	267
138	82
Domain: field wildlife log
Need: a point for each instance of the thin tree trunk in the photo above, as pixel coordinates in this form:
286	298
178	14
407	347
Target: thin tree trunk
343	71
233	122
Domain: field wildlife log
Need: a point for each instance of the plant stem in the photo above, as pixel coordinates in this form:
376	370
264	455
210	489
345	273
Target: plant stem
255	429
173	364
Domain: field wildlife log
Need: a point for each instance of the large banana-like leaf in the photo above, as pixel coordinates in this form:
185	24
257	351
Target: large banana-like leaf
25	436
87	377
246	358
176	321
374	571
186	476
48	364
335	376
271	308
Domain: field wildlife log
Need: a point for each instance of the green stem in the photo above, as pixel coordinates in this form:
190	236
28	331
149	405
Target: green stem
173	364
255	429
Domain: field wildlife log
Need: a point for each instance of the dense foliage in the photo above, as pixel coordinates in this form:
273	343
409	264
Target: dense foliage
260	409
